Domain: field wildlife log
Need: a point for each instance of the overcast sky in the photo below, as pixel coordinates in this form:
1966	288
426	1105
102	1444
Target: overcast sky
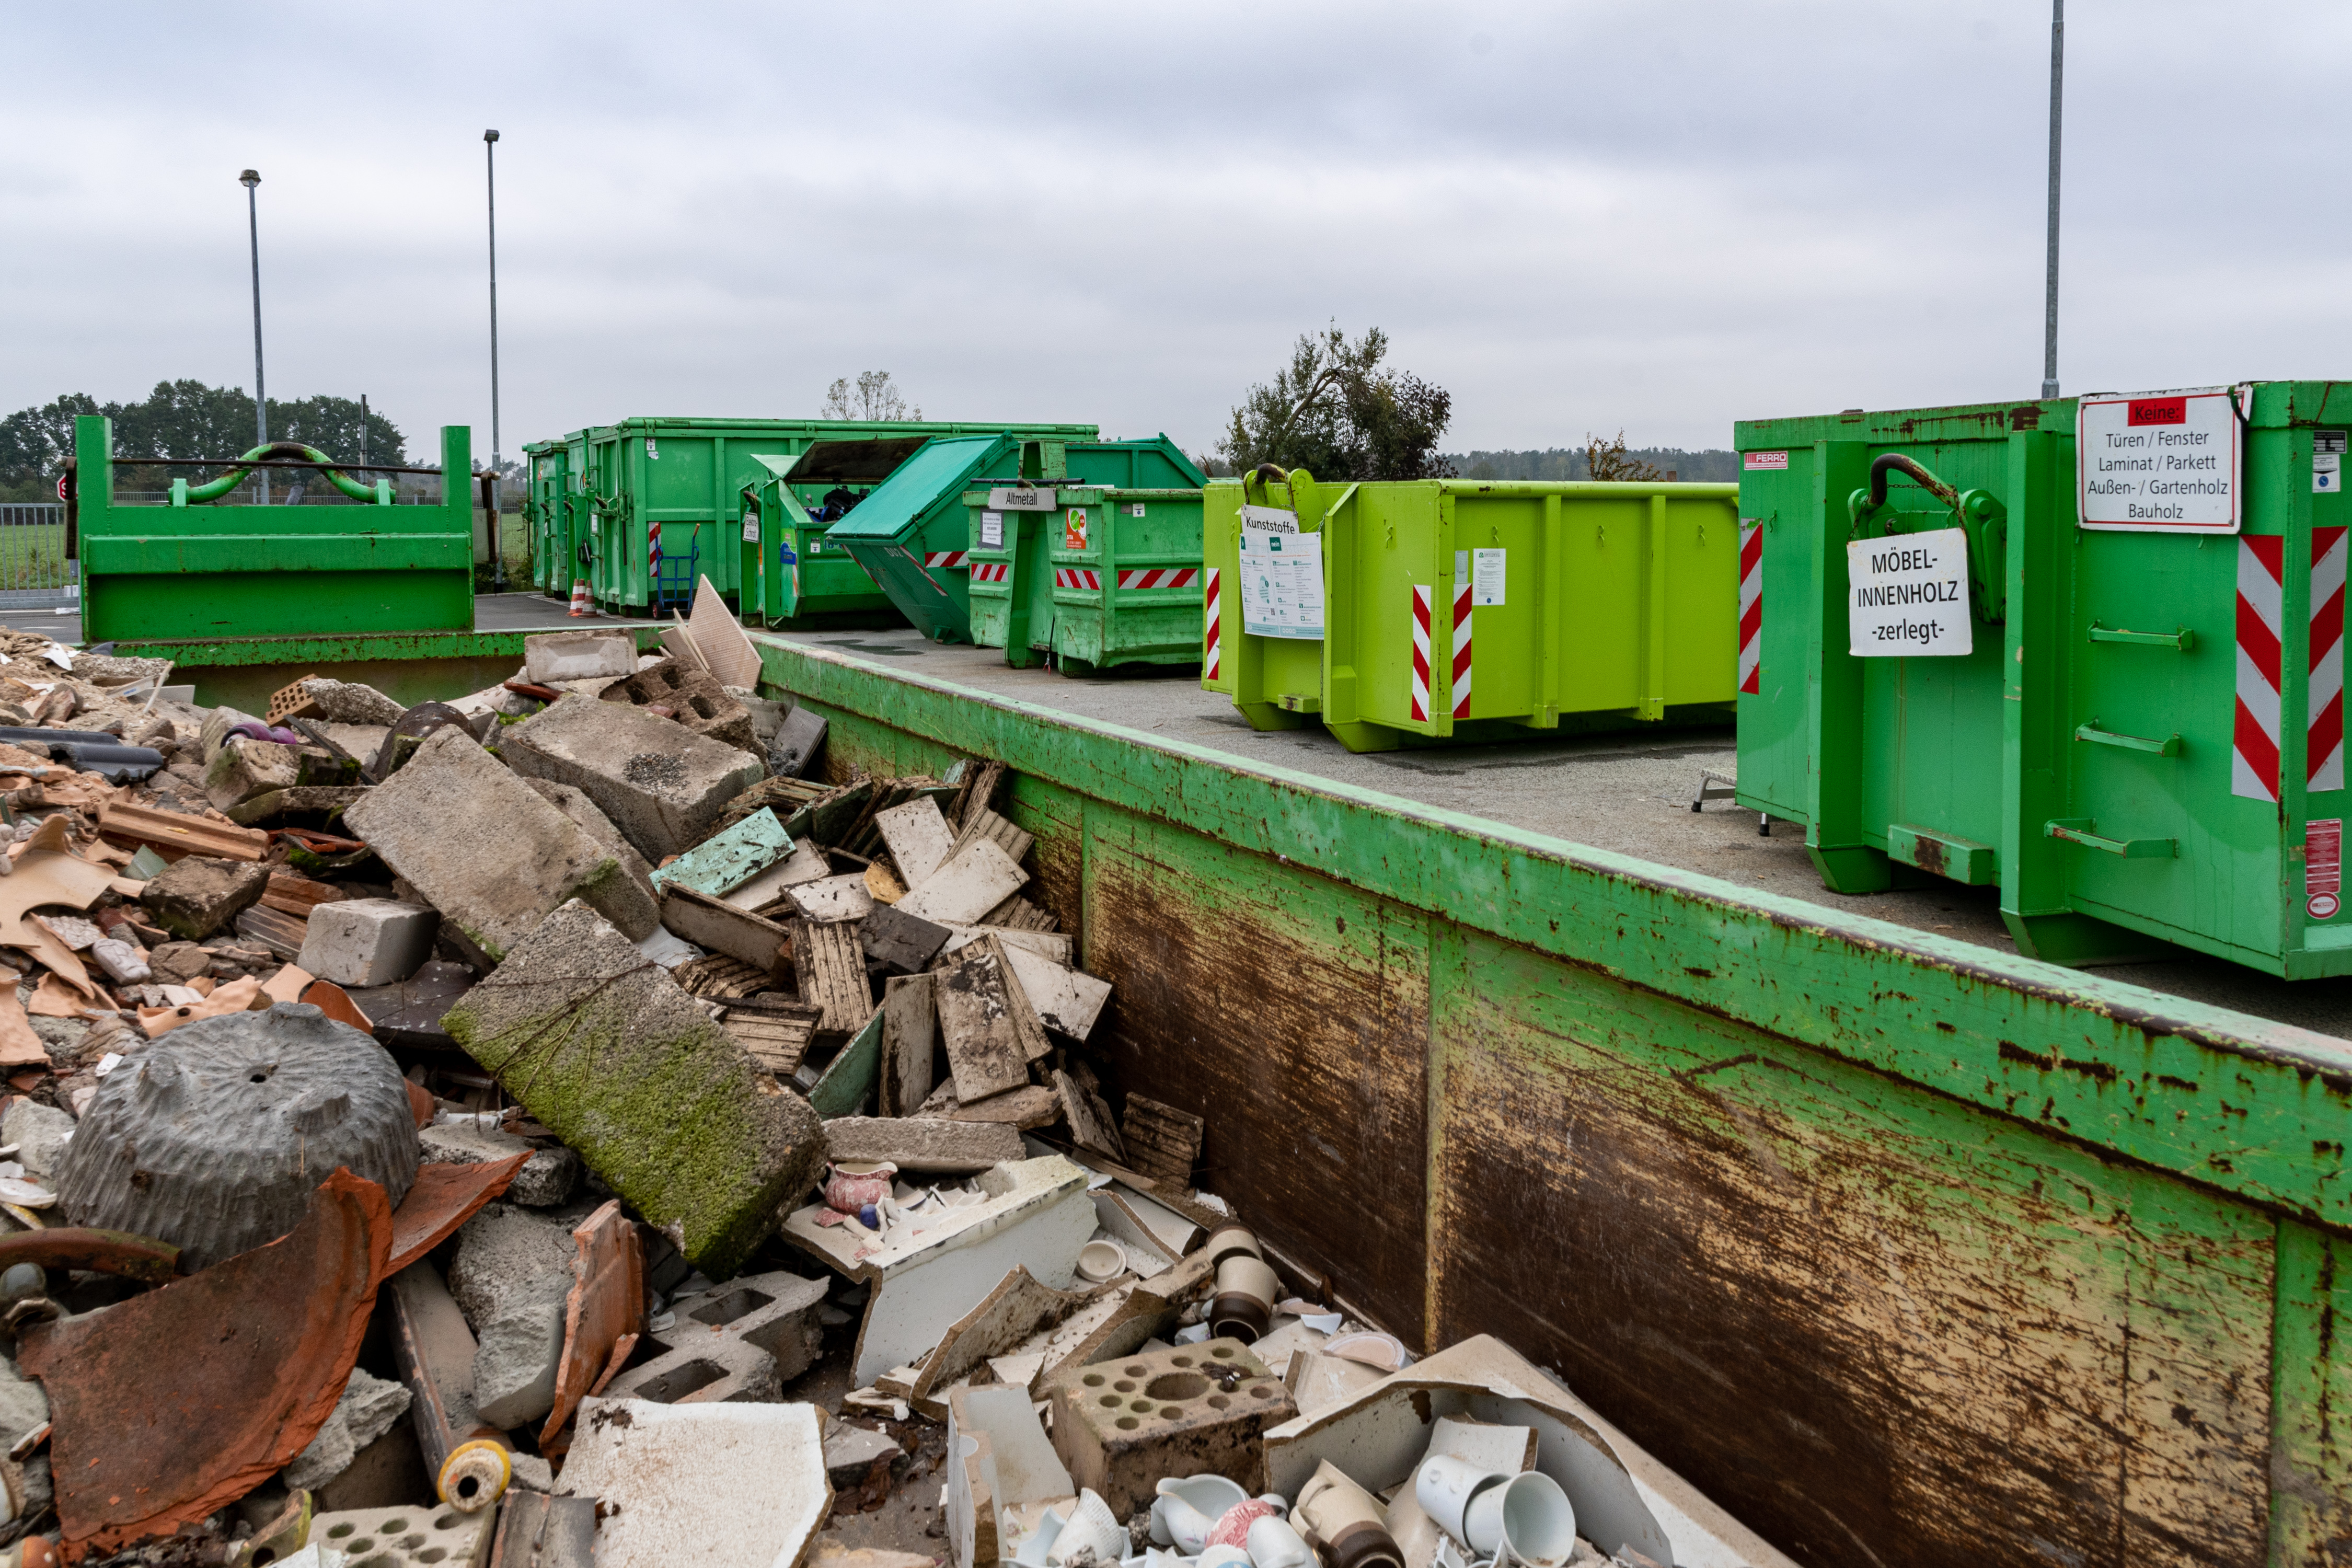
1574	216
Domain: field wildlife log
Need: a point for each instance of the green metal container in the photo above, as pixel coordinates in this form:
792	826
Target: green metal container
554	512
2143	743
1371	606
913	532
1108	576
798	578
666	495
185	566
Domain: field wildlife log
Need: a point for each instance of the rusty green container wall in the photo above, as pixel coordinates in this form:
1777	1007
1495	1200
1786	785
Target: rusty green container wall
1914	1251
688	484
195	571
799	578
1619	608
913	534
1108	577
2083	758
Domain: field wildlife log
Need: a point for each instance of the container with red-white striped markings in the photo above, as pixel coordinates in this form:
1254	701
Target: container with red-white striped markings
2144	752
1108	577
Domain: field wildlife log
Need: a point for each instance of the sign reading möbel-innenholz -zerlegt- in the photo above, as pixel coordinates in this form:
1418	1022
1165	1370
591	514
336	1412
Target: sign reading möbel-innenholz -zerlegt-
2159	462
1907	595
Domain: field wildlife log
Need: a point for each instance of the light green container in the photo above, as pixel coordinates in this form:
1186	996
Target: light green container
2144	743
1107	577
914	534
1419	612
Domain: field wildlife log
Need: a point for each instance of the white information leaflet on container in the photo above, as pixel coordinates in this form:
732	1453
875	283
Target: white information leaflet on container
1908	595
2159	462
1282	575
991	531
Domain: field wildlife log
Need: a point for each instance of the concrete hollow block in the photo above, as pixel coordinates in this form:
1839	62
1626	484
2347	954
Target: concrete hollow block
368	942
579	654
1122	1424
741	1340
661	785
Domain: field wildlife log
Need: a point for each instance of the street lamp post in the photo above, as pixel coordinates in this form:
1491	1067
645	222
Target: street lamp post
497	548
249	179
2050	282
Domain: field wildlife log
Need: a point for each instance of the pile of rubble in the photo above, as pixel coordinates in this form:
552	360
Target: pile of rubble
552	1126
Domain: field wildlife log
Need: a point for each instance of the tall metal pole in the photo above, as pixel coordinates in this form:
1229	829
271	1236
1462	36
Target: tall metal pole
497	547
249	179
2050	295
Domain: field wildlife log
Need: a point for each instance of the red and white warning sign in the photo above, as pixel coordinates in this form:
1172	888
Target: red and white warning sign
2159	462
2323	868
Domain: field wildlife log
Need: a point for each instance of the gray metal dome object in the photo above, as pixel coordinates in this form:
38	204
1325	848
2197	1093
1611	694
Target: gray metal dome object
214	1137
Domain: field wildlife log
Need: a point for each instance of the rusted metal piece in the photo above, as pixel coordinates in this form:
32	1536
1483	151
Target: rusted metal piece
444	1198
116	1252
532	689
607	1303
170	1404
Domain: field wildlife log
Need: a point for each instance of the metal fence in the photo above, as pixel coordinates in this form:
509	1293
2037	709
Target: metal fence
33	551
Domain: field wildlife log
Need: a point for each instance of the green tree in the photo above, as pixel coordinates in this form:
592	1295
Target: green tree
186	418
1606	459
1336	413
873	398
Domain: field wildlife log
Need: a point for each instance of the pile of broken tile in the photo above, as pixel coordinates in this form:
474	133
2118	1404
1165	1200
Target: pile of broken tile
552	1125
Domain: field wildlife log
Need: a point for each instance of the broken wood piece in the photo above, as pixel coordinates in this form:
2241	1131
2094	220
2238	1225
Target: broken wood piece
718	978
918	837
981	783
1017	914
1162	1142
999	831
1067	1000
830	968
1028	1107
1088	1117
281	933
844	897
991	1033
910	1032
721	927
777	1037
299	895
974	881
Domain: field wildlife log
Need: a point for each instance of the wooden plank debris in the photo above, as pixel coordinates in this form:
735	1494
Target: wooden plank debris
974	880
830	968
299	895
910	1033
1162	1142
998	831
991	1033
718	978
721	927
1090	1118
777	1034
918	837
981	783
276	929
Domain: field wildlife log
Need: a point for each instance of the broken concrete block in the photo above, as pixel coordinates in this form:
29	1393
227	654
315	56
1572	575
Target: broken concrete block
178	962
1034	1214
546	1179
852	1455
723	1486
485	849
922	1144
350	703
918	837
367	1410
799	742
41	1133
991	1033
404	1537
506	1254
578	655
766	1334
685	695
974	881
518	1352
193	898
1121	1424
244	768
368	942
662	786
721	927
620	1063
574	803
242	1112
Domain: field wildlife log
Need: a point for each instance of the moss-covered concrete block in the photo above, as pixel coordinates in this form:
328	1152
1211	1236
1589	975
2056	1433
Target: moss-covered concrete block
601	1044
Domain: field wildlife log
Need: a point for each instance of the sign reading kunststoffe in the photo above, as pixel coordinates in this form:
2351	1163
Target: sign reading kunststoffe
2159	462
1282	575
1908	595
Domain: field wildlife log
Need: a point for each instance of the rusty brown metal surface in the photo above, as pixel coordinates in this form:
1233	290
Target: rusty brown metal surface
173	1403
607	1303
444	1198
140	1258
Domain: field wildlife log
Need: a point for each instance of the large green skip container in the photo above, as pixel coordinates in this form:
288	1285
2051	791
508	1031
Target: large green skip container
913	533
1423	612
676	484
186	568
555	512
1106	577
798	578
2144	743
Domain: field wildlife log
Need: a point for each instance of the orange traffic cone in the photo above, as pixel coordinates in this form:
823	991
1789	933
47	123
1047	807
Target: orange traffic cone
580	604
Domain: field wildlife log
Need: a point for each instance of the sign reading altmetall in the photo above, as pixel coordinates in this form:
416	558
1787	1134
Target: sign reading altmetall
1907	595
2159	462
1020	497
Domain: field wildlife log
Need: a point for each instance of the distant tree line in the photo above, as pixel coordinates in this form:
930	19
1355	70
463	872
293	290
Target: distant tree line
185	419
1712	465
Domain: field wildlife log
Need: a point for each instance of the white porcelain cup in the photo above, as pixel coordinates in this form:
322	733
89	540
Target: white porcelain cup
1188	1507
1274	1545
1444	1485
1539	1522
1091	1524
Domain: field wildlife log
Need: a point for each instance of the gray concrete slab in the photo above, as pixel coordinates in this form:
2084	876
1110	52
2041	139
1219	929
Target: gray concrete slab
1628	793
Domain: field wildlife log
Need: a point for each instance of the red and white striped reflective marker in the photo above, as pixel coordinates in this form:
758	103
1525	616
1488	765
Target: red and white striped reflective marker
991	571
945	557
1075	577
1160	577
2254	740
1461	649
1211	627
653	549
2324	750
1751	608
1419	654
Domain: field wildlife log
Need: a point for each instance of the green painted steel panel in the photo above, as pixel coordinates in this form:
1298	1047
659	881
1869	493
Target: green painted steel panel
200	569
1110	576
1618	607
800	577
2093	736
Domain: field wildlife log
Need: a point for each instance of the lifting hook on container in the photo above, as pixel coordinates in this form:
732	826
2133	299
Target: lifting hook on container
1980	514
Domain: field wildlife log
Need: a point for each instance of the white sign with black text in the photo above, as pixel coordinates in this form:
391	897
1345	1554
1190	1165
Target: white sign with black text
1282	575
991	531
1907	595
2159	462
